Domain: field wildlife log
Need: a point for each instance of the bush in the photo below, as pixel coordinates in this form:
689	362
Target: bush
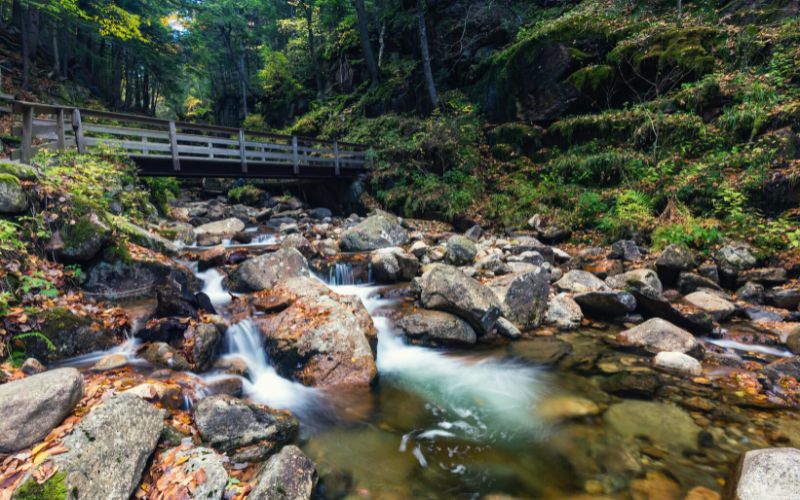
162	191
631	216
246	194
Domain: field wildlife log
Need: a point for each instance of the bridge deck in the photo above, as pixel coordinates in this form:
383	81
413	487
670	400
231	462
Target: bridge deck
171	148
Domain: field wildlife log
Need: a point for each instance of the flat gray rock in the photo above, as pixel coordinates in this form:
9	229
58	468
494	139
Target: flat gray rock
657	335
290	474
30	408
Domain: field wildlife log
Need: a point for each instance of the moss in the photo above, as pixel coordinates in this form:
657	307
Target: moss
54	488
9	179
19	170
591	78
75	235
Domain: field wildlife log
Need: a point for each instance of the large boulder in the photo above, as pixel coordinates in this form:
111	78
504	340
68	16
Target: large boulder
766	474
733	258
247	431
12	196
436	328
264	271
203	465
68	335
673	260
636	278
108	450
718	308
219	229
523	296
377	231
460	250
80	241
145	237
577	281
290	474
31	407
448	289
320	338
564	313
130	279
610	303
393	264
656	335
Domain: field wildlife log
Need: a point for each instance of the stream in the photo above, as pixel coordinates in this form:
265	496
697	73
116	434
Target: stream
444	423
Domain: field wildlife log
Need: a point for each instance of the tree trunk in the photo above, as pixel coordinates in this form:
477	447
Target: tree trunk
56	60
366	46
426	55
312	49
243	77
30	42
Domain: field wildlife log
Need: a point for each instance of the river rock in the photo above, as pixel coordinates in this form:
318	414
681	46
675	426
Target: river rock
32	366
168	394
784	367
191	461
299	243
72	335
751	292
636	277
248	431
213	257
785	298
577	281
219	229
632	384
560	408
606	303
542	350
719	308
436	328
322	338
684	315
264	271
656	335
129	279
80	242
663	423
12	196
206	338
163	354
393	264
674	259
144	237
767	276
460	251
523	296
377	231
31	407
564	313
793	341
289	474
734	257
677	363
625	250
691	282
108	450
448	289
766	474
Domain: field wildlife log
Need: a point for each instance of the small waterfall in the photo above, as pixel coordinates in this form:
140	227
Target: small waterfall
341	274
263	384
212	286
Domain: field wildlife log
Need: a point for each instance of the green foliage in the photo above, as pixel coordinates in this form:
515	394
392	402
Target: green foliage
604	168
592	78
630	217
246	194
162	191
700	235
18	354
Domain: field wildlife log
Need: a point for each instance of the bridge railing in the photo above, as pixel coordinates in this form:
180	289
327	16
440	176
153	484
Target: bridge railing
46	126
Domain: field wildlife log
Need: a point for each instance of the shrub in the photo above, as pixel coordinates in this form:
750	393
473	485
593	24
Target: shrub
246	194
631	216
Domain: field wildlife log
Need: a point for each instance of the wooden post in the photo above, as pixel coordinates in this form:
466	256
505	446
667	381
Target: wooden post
77	126
173	147
336	157
61	141
210	150
26	151
144	145
295	157
242	151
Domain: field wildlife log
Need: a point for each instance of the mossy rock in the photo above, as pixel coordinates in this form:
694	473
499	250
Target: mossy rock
12	196
68	335
19	170
54	488
143	237
521	137
83	240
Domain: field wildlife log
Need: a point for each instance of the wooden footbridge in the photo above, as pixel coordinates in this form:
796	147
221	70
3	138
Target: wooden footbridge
180	149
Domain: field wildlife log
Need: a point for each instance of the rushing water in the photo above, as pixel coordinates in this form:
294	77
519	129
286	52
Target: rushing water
741	346
212	286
